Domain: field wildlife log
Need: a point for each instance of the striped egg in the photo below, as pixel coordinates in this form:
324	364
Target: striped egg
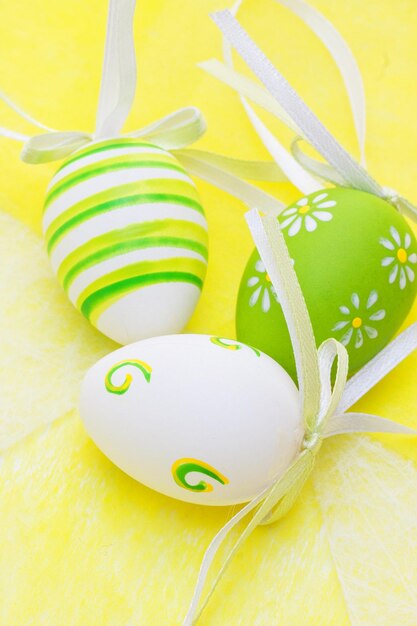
127	237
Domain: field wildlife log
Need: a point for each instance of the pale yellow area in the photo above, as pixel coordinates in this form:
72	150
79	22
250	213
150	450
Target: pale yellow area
81	544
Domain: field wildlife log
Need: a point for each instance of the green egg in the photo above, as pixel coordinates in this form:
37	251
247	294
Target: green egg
356	260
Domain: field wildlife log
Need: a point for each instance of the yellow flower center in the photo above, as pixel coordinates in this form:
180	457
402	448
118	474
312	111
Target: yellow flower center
304	209
402	255
357	322
267	278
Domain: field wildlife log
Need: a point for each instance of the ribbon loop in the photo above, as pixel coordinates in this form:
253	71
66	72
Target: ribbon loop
176	130
52	146
331	351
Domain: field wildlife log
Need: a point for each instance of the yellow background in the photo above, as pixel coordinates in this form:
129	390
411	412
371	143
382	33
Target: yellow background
80	542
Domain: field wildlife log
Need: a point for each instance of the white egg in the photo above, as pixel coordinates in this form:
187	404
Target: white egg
127	238
202	419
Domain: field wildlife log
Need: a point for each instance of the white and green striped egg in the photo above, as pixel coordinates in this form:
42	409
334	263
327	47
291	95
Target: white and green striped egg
127	237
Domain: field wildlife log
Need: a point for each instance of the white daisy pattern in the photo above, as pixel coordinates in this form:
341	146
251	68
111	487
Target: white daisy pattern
359	320
400	259
263	289
307	213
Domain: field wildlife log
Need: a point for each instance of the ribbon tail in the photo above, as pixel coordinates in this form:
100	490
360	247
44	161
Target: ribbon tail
406	208
344	60
11	134
193	612
267	500
312	128
22	113
271	246
118	82
235	186
289	499
296	174
299	171
249	88
264	171
299	177
376	369
16	136
326	172
363	423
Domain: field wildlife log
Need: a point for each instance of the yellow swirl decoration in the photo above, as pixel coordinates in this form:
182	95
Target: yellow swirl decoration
183	467
121	389
228	344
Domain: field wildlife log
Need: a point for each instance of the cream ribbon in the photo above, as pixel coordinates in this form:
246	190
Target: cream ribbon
323	404
280	99
173	132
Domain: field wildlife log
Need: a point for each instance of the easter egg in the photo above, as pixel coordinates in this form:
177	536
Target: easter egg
202	419
127	237
356	260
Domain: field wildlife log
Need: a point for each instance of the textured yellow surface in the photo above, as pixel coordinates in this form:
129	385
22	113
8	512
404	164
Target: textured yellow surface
81	543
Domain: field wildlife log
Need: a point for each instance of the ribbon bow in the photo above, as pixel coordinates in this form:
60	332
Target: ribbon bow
172	132
279	98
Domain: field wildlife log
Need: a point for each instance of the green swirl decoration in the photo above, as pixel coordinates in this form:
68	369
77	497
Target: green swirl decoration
228	344
183	467
121	389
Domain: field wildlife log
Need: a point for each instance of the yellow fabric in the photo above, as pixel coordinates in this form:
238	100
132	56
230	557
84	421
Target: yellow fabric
81	543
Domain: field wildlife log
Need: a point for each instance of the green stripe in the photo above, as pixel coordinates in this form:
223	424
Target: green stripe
142	268
109	165
149	186
99	301
129	246
117	198
173	264
110	144
164	229
161	232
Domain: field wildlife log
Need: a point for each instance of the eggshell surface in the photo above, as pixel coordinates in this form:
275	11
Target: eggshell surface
202	419
127	238
356	260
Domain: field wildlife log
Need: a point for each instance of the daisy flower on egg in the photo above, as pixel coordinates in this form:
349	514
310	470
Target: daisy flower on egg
359	320
400	260
307	213
263	289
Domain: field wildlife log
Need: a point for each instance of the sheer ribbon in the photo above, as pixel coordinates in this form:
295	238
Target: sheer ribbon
324	405
279	98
